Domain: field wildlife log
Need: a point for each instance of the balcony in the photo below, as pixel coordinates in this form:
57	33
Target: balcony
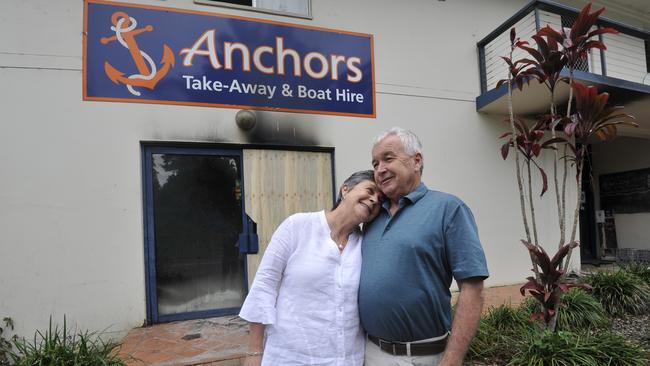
622	70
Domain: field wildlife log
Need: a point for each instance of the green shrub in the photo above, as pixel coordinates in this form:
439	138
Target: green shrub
551	349
613	349
530	305
499	334
506	335
58	346
639	269
587	349
507	318
620	292
579	311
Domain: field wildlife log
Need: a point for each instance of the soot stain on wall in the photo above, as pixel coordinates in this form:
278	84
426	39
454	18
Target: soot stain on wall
282	129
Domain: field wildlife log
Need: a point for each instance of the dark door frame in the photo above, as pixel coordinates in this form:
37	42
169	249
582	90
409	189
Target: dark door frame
148	149
588	236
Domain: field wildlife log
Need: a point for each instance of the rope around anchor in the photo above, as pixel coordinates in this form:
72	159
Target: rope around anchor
152	65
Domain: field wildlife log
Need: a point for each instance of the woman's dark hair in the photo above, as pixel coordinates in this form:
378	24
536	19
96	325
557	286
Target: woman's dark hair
352	181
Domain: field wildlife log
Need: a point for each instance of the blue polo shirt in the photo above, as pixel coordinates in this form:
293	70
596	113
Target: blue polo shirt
408	263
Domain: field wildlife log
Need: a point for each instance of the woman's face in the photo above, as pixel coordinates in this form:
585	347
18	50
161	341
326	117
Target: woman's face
363	200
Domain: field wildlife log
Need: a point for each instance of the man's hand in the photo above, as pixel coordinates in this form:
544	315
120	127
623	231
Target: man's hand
466	319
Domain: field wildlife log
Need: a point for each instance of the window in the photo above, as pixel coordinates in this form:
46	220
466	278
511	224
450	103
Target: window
295	8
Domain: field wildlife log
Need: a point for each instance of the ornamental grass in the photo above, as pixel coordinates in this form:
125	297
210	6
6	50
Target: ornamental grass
579	349
620	293
63	347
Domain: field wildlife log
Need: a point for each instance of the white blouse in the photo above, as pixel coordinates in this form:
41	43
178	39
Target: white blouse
305	292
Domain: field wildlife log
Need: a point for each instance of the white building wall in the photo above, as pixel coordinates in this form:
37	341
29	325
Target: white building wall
632	230
71	212
624	154
625	58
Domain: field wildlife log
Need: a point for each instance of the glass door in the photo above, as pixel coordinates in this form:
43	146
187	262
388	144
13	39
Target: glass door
194	214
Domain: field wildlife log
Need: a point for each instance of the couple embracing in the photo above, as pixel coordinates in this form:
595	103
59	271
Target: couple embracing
314	301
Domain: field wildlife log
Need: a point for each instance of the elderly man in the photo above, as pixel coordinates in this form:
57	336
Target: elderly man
420	240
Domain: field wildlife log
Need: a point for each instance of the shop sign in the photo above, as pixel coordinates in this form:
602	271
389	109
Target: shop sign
145	54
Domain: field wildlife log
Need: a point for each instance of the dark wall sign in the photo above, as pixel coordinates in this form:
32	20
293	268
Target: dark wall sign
143	54
626	192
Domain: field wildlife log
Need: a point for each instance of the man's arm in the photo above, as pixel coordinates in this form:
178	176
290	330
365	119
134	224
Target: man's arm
466	319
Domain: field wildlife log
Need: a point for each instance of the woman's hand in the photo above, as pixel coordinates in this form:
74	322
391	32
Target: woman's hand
255	345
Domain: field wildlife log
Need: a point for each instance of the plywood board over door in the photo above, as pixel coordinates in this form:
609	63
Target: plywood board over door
279	183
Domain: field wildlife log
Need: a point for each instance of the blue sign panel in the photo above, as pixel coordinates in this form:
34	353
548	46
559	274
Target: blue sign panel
143	54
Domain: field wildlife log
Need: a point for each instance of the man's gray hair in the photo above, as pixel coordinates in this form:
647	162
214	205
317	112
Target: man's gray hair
411	142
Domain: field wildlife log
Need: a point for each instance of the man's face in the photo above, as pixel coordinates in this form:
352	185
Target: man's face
396	173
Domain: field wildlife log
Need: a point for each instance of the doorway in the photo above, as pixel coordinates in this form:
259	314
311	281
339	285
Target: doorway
194	213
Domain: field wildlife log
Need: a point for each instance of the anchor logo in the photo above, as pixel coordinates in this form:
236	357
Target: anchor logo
125	30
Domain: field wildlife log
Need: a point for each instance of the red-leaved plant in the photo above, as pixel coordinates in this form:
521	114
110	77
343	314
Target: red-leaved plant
548	288
555	51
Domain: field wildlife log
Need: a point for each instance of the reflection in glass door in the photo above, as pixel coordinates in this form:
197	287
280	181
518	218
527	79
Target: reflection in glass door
194	218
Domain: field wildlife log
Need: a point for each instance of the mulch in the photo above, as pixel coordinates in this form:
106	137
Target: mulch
635	328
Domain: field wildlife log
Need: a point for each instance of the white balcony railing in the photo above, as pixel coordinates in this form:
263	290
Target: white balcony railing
625	57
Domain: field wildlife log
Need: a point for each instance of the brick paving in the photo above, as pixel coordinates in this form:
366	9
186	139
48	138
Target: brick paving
206	342
223	341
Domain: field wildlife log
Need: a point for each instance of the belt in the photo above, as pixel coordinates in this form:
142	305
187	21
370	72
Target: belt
410	348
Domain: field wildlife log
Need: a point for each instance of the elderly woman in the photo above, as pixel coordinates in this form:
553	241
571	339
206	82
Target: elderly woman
304	295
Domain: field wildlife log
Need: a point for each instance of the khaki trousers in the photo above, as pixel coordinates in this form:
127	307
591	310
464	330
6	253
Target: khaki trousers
376	357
